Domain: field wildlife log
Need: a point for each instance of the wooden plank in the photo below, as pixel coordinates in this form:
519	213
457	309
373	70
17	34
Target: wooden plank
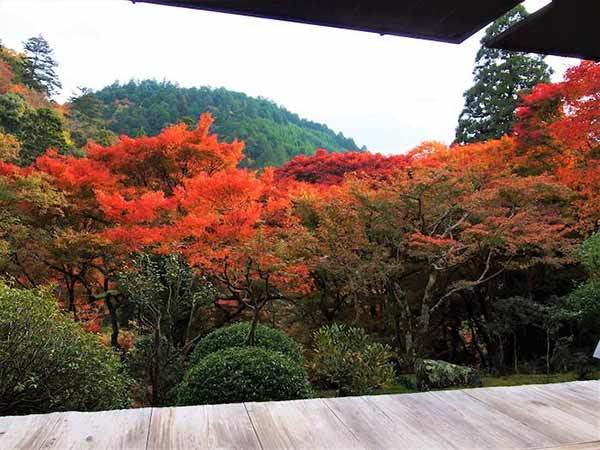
493	427
579	405
374	429
422	419
299	424
588	388
539	416
585	389
457	420
26	432
581	446
588	392
526	405
202	427
119	429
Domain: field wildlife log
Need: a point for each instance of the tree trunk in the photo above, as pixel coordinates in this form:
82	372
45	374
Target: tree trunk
186	334
251	340
155	371
114	322
426	301
473	325
71	293
425	315
405	314
515	357
547	351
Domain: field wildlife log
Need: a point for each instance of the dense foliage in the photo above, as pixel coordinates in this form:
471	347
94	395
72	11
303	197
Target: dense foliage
585	299
272	134
237	336
331	168
163	294
48	363
243	374
483	254
499	77
345	359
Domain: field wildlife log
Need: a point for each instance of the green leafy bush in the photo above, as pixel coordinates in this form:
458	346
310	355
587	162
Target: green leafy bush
48	363
242	374
236	336
345	359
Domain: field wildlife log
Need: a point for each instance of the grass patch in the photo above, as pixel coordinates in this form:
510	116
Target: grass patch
523	379
486	381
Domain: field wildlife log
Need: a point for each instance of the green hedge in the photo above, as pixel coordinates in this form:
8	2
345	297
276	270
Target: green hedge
236	336
242	374
48	363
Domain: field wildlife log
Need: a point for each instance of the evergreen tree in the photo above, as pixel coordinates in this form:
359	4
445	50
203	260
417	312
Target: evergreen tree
86	103
499	77
41	129
39	65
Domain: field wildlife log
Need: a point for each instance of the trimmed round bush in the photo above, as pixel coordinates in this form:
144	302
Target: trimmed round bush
236	336
48	363
243	374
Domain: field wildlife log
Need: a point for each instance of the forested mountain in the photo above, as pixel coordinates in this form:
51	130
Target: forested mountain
31	122
272	134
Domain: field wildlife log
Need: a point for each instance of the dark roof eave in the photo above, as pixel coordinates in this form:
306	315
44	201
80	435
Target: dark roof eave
450	21
561	28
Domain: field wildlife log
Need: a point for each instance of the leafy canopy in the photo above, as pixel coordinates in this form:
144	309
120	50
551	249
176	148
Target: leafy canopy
499	77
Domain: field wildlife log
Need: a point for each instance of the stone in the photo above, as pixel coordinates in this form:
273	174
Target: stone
433	374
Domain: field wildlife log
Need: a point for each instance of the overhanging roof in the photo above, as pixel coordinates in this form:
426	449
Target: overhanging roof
563	28
441	20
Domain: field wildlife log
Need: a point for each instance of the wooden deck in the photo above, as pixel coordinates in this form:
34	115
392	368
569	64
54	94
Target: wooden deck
563	415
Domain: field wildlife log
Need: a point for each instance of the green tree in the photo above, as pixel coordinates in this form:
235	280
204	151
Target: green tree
39	66
586	298
85	119
499	76
12	110
165	295
37	130
86	103
40	130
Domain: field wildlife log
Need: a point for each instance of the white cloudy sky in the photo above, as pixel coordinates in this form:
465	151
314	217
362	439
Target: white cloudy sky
388	93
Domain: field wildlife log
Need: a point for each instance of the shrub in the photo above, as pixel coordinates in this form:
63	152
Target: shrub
236	336
432	374
242	374
48	363
584	366
346	359
157	371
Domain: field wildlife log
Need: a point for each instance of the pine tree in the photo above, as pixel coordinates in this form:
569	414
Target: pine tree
39	65
499	77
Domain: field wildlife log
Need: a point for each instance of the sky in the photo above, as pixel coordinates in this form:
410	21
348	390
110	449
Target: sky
388	93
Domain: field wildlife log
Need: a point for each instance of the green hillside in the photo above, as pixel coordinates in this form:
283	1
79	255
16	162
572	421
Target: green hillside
273	135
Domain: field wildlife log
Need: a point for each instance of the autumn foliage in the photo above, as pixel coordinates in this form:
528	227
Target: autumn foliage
558	133
330	168
350	231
